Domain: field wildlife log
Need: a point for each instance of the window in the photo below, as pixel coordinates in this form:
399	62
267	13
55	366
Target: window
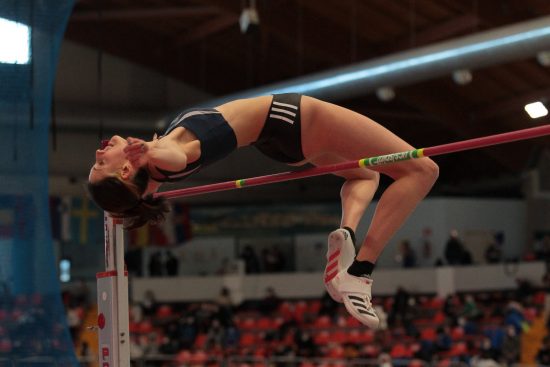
14	42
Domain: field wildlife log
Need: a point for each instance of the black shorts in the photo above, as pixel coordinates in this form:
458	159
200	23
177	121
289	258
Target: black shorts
281	136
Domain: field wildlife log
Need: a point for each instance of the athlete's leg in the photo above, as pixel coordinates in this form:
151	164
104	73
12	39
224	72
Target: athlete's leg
356	193
341	132
354	136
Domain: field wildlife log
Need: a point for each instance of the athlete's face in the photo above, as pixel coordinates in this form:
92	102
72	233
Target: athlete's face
110	160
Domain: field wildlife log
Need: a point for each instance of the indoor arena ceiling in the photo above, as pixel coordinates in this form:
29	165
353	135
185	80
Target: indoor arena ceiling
199	42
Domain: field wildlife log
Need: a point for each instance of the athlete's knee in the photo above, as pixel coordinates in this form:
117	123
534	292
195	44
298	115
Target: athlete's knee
429	170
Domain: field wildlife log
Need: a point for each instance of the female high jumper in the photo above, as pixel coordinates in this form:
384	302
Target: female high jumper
290	128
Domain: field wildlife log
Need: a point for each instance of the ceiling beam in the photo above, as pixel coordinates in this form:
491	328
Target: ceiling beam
210	27
142	13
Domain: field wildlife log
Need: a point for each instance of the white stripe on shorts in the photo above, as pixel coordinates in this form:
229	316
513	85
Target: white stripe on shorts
285	105
293	114
282	118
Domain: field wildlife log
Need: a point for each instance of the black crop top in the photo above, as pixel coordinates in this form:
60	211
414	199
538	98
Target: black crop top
217	140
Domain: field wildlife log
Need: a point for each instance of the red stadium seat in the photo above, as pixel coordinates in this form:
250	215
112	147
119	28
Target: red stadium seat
336	352
539	298
457	333
145	327
248	323
314	306
439	318
200	340
248	339
164	311
265	323
366	336
322	338
286	309
322	322
428	333
199	357
352	322
416	363
457	350
400	350
300	308
340	336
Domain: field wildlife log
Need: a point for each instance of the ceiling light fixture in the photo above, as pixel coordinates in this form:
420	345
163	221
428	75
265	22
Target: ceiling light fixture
249	19
462	76
536	109
385	94
543	58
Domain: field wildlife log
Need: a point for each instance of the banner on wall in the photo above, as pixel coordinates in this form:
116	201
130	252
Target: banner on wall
78	221
272	219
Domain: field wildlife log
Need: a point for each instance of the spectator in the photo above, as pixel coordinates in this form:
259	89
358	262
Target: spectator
450	308
216	335
511	346
187	332
470	310
149	304
225	306
406	255
74	321
232	335
273	259
455	252
493	253
172	264
443	341
155	264
426	246
514	316
328	306
525	289
81	293
486	355
270	303
454	249
399	308
134	261
251	263
542	248
305	344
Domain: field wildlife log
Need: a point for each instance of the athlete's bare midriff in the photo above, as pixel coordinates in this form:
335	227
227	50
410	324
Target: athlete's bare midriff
246	117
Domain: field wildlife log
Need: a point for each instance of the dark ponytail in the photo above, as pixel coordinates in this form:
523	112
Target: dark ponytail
124	200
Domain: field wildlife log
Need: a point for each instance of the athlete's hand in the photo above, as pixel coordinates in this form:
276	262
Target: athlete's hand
137	152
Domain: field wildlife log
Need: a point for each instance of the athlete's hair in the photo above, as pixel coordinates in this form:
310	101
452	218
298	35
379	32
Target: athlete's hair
124	199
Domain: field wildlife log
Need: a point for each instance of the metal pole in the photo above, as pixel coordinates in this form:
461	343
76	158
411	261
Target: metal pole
112	298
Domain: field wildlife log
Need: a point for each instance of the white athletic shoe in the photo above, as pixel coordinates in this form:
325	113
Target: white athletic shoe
340	255
356	294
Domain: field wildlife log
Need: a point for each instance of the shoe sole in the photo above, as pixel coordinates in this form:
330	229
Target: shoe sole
338	258
367	317
354	298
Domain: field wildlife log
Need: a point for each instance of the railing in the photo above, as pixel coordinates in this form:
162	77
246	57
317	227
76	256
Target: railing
237	361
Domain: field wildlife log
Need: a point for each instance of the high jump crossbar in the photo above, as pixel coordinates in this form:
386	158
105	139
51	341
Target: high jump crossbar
475	143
